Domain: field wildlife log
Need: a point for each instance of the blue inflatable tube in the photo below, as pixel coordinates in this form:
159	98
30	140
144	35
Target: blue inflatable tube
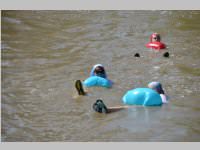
97	81
142	96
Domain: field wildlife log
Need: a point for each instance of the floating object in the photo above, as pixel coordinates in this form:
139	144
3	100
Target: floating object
156	45
137	55
166	54
142	96
97	81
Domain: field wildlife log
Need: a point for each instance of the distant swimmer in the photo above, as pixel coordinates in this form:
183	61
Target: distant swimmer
98	77
155	42
98	70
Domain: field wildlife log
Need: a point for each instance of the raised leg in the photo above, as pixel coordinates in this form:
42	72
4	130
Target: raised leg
79	87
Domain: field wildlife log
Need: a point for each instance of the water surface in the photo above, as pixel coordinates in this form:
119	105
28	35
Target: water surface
44	52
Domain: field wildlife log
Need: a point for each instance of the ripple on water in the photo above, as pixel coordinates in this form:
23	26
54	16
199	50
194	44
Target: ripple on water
44	52
11	20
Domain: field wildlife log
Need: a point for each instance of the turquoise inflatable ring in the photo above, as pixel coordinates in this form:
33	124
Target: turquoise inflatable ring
97	81
142	96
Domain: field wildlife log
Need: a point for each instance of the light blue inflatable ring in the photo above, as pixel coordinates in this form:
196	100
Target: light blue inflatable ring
142	96
97	81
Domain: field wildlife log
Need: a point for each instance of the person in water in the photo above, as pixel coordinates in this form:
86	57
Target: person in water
97	70
155	42
100	107
157	86
155	37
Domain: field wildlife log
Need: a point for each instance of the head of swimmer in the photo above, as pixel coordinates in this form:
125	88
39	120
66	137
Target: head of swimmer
157	87
155	37
99	71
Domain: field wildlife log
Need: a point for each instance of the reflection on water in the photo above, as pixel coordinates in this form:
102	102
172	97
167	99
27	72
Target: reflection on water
44	52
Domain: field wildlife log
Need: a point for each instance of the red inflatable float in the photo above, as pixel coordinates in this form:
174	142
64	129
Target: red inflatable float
155	42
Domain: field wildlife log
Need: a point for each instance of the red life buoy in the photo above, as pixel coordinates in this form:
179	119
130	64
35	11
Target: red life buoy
155	42
156	45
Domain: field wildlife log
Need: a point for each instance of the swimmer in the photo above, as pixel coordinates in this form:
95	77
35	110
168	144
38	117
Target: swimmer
155	42
97	70
100	107
155	37
158	88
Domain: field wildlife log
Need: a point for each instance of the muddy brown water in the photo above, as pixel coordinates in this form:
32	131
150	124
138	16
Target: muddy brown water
44	52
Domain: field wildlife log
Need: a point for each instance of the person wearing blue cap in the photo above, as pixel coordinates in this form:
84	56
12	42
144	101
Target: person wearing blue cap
97	70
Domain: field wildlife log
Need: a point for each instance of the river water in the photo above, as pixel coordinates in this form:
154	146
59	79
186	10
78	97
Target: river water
44	52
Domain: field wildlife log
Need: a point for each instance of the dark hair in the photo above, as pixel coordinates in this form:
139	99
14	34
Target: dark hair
161	91
99	70
158	37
